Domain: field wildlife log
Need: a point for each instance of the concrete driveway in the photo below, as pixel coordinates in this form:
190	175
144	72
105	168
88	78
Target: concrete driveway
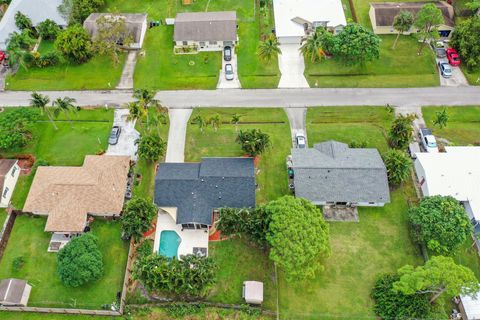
292	67
457	79
229	84
177	134
296	117
126	143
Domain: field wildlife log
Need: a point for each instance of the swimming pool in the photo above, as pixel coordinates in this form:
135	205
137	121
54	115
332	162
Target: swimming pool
169	242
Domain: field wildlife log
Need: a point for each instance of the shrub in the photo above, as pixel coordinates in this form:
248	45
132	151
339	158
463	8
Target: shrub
74	44
18	263
357	144
178	310
137	217
398	165
80	261
151	147
401	132
145	249
16	128
22	21
49	59
48	29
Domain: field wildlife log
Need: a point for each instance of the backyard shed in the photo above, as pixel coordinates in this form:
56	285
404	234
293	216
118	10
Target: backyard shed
253	292
14	292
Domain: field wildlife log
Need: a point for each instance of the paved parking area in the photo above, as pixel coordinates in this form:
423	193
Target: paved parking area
292	67
457	79
229	84
296	117
126	143
177	134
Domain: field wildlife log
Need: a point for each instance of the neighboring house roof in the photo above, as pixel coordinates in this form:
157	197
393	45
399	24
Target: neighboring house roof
5	167
133	21
385	12
196	189
68	194
331	171
206	26
453	173
289	12
36	10
471	306
14	292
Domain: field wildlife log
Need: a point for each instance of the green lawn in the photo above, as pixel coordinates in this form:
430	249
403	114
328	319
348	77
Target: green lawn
28	240
463	125
239	261
348	124
272	176
363	6
3	217
401	67
97	73
473	77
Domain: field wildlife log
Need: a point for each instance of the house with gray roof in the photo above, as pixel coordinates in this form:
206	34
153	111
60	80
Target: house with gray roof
197	189
333	174
205	31
37	10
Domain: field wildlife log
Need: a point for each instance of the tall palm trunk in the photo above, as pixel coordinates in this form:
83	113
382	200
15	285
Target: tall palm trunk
51	119
396	40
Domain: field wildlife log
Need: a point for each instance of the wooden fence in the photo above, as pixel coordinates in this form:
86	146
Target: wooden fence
6	231
63	311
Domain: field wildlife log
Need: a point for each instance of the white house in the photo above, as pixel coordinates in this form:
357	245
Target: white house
455	173
295	19
9	172
37	10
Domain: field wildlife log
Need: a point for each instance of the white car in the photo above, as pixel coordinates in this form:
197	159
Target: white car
428	140
229	72
300	140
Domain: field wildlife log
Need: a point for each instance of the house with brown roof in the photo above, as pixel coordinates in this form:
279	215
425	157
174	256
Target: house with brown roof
68	195
205	31
382	15
9	172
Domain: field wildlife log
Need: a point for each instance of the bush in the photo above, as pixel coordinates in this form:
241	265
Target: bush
80	261
49	59
48	29
74	44
145	249
16	128
23	22
401	132
151	147
137	217
18	263
391	305
398	165
78	10
178	310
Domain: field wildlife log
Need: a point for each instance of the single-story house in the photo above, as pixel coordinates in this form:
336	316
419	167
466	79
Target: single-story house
382	15
136	24
14	292
37	10
333	174
296	19
9	172
67	195
188	195
205	31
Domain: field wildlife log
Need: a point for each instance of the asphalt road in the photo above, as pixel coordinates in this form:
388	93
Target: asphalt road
403	97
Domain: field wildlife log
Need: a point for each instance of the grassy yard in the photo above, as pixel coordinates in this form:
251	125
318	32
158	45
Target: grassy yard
97	73
401	67
462	127
66	146
272	176
28	240
363	6
239	261
472	77
348	124
3	217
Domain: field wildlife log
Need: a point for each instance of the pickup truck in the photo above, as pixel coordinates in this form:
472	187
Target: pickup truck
429	142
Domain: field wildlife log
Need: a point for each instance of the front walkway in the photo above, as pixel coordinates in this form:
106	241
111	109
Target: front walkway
292	67
177	134
126	80
126	142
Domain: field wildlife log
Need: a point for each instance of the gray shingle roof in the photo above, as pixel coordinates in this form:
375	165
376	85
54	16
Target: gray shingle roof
206	26
330	171
133	21
196	189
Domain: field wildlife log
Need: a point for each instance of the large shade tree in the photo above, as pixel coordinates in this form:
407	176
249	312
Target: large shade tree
465	40
76	11
298	237
75	44
427	20
151	147
269	48
356	44
402	22
442	223
111	36
137	217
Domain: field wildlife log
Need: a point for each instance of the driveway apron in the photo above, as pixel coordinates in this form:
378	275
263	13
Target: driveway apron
292	67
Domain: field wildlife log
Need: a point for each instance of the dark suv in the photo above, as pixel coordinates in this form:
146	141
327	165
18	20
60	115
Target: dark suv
227	53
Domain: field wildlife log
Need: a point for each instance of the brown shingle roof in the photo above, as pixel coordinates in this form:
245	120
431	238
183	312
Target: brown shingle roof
5	166
385	12
206	26
67	194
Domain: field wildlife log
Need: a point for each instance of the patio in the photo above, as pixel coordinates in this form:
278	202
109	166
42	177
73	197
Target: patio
192	241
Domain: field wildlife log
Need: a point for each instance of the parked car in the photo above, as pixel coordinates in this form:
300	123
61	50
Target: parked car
300	140
114	135
2	55
445	69
453	57
227	53
228	72
439	49
429	142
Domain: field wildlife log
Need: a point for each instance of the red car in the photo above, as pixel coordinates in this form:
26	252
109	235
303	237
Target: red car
453	57
2	56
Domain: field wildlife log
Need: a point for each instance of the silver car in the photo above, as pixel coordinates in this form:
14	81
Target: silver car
114	135
445	69
229	72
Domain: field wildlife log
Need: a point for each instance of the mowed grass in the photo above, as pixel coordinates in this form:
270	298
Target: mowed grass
473	77
3	217
363	6
98	73
271	174
349	124
463	127
28	240
239	261
361	251
401	67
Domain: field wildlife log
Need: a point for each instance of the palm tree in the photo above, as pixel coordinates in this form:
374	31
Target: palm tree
215	121
253	142
200	121
269	48
146	99
65	105
236	120
315	46
41	101
158	119
135	112
402	22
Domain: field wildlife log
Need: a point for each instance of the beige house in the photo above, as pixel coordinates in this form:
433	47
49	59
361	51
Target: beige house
67	195
382	15
9	172
205	31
